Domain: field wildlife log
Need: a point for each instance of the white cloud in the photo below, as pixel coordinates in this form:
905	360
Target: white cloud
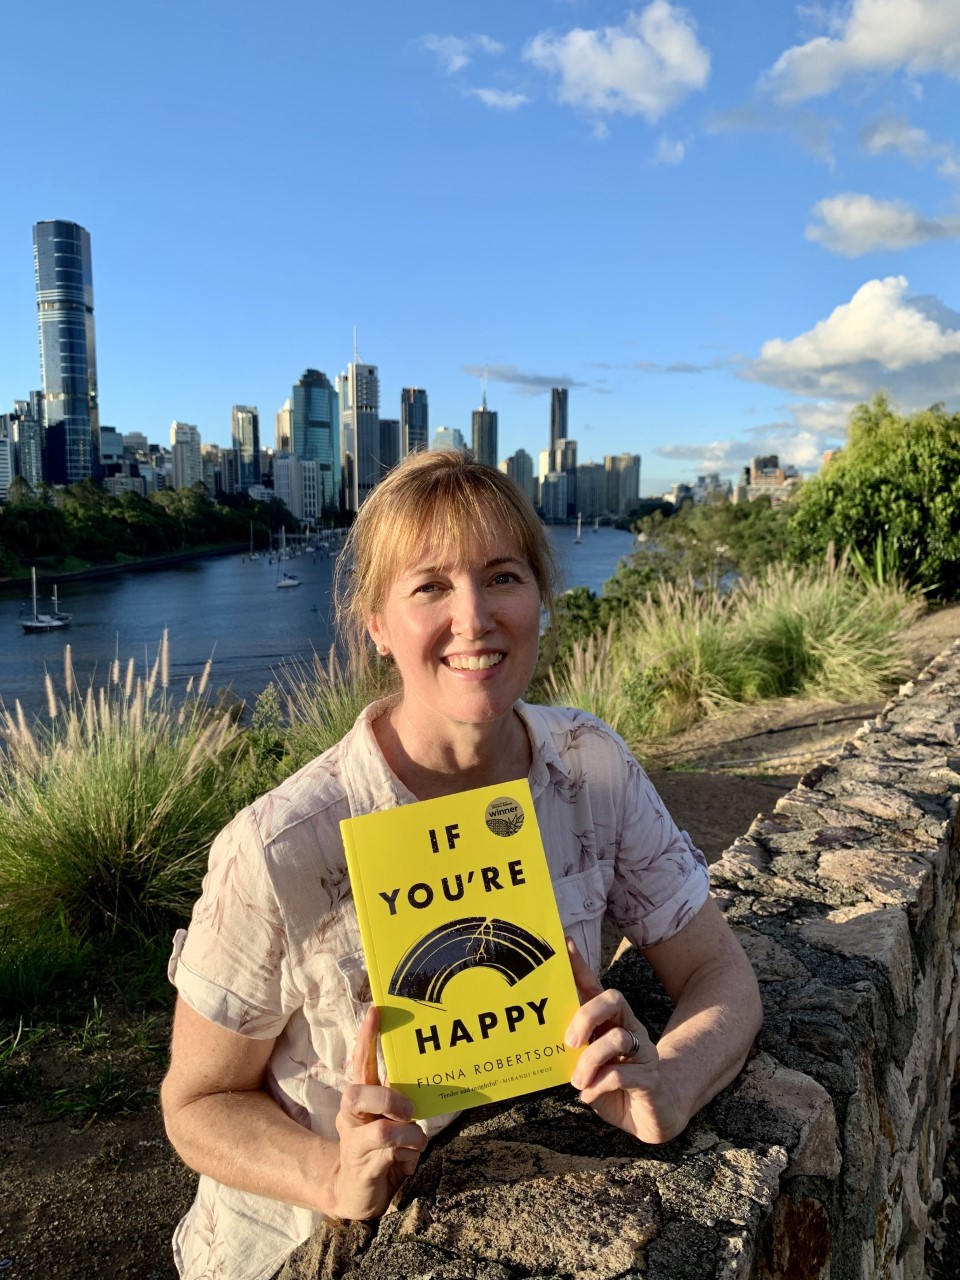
646	66
881	338
499	99
455	52
670	151
917	36
893	134
854	224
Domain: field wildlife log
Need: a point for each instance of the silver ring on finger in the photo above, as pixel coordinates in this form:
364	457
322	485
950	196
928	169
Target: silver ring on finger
634	1046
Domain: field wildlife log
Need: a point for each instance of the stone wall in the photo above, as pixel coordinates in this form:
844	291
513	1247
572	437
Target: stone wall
822	1159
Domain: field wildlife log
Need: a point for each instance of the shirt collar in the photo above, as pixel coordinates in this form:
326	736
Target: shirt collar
370	784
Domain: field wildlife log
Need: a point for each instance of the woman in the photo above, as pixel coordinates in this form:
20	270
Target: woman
274	1093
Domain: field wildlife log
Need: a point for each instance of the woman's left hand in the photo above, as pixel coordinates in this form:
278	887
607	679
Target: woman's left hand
626	1088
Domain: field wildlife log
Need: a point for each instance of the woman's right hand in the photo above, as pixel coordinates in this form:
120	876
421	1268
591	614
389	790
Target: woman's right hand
379	1143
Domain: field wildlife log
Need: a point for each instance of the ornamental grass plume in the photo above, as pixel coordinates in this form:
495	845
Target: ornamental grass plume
322	701
690	651
107	809
592	675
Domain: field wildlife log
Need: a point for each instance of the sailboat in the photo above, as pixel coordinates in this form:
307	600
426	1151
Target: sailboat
578	538
285	579
57	612
44	621
254	555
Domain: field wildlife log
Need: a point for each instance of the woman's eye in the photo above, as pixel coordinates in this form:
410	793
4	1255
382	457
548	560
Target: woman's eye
426	587
505	577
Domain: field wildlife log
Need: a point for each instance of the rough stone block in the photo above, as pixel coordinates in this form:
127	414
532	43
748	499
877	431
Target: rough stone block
880	934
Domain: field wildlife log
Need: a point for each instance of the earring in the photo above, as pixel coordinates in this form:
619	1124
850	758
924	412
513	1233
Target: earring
382	650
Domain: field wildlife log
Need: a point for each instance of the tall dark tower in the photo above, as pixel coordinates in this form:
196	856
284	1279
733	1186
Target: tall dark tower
315	433
414	421
245	437
484	440
558	416
68	351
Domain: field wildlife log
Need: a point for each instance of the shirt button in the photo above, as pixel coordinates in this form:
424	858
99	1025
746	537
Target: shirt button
589	904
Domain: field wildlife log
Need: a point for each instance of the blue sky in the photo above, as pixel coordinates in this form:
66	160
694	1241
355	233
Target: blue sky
720	225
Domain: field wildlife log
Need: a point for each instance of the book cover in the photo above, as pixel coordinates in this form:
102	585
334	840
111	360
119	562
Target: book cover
464	947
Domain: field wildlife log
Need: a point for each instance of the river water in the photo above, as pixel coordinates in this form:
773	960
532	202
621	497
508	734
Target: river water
227	607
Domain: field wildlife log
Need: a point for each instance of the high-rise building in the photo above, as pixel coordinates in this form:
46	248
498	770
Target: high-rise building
360	429
519	467
414	421
389	451
283	427
245	436
28	433
448	438
296	482
186	459
591	490
553	495
8	453
314	427
623	482
68	355
558	416
484	435
564	458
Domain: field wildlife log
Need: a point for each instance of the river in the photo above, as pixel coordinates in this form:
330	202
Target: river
227	607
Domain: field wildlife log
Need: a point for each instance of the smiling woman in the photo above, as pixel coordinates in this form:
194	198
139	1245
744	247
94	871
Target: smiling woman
274	1092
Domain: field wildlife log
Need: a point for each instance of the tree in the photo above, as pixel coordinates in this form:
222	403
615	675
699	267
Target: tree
896	487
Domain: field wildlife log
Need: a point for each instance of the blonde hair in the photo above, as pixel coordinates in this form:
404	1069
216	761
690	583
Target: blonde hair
440	498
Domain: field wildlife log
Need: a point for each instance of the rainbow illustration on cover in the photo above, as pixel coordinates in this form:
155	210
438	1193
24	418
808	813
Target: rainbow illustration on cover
464	947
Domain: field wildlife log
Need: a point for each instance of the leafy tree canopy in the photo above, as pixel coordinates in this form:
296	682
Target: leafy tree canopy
894	488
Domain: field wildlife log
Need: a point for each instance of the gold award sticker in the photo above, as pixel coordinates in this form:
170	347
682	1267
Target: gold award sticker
504	816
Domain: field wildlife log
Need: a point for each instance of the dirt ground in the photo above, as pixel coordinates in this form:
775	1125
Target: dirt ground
100	1198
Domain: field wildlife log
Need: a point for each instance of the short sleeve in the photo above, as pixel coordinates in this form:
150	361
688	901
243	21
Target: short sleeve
232	965
660	878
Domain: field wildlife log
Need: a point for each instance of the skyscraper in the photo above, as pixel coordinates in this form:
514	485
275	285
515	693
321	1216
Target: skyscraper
68	356
519	467
388	452
314	425
283	427
558	416
623	482
484	439
245	436
414	421
360	428
186	457
28	428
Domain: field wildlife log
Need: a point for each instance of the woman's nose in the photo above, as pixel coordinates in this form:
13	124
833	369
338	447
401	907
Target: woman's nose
472	617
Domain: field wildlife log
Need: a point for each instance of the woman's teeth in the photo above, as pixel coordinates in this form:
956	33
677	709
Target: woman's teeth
481	663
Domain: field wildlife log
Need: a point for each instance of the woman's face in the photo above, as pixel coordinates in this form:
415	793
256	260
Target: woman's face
464	639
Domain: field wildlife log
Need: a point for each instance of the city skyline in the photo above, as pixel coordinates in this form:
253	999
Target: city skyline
718	230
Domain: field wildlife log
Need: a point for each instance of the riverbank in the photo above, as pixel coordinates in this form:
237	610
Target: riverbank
143	564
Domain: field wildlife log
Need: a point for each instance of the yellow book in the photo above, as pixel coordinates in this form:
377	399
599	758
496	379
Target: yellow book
464	947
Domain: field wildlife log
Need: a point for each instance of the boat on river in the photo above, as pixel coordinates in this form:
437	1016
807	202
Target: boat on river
37	621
